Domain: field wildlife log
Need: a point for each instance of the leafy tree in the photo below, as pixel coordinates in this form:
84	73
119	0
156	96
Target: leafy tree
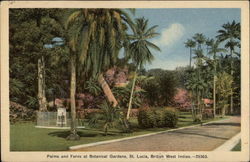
223	85
161	88
27	60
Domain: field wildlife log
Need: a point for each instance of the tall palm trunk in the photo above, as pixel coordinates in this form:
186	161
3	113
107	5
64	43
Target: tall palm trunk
107	91
214	88
223	110
131	94
41	85
73	134
214	96
231	72
193	106
190	60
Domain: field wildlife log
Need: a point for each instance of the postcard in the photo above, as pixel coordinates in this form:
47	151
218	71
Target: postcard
125	81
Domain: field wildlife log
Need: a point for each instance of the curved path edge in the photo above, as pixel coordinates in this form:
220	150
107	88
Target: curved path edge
230	144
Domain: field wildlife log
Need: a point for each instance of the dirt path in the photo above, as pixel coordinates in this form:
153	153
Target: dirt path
199	138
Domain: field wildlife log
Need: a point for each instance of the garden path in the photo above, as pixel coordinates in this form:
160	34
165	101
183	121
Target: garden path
198	138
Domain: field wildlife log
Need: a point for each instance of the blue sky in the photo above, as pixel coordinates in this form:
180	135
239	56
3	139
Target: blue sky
177	25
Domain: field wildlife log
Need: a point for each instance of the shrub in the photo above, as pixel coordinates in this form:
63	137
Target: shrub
170	117
146	118
21	113
107	117
182	100
157	117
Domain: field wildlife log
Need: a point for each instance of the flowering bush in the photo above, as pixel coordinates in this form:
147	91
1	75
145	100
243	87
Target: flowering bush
21	113
182	100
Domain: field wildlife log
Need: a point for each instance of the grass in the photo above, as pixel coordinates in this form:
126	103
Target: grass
25	137
237	147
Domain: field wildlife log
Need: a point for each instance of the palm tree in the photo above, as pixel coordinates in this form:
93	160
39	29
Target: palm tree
209	43
96	40
197	86
76	33
214	49
200	83
230	33
139	49
200	39
107	35
190	44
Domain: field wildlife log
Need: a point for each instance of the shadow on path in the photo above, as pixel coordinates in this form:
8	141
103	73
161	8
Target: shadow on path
198	134
225	124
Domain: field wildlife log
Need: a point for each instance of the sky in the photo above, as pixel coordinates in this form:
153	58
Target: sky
175	26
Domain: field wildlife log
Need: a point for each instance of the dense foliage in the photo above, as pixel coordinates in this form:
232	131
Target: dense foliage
30	31
161	89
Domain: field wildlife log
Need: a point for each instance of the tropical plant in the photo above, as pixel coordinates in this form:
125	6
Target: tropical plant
93	87
139	49
123	95
108	117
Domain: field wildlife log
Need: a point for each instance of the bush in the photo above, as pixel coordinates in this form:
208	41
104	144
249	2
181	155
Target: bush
170	117
182	100
157	117
21	113
146	118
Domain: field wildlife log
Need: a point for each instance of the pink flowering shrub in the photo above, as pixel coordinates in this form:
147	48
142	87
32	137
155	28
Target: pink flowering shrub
182	99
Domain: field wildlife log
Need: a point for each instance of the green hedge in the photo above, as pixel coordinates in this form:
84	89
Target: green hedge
157	117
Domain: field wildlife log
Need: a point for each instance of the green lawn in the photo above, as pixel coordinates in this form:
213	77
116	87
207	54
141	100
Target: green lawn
237	147
25	137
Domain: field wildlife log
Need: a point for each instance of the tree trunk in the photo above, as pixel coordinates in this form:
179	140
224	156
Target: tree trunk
190	61
193	106
223	111
107	91
131	95
73	133
231	97
214	96
41	85
214	88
